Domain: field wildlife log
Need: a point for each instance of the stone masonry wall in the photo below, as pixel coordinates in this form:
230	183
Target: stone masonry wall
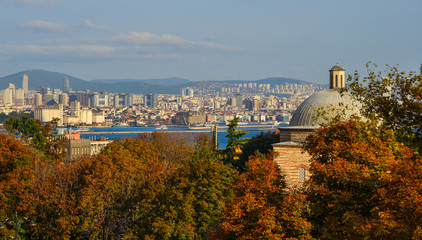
290	159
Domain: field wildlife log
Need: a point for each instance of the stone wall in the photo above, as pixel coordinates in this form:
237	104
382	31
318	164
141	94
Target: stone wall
293	162
297	134
290	158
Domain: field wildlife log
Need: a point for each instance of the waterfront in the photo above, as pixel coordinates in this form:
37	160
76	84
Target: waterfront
127	132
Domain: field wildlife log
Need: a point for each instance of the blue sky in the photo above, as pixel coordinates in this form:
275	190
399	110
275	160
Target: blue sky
208	40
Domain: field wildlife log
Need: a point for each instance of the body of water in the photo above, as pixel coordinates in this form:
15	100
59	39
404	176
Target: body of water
127	132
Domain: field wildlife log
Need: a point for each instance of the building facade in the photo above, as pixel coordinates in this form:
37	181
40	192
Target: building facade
295	163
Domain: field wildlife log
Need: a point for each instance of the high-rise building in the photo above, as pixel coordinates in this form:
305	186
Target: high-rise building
25	84
66	85
84	98
123	100
19	97
150	101
7	96
239	102
75	107
100	100
38	99
187	92
64	99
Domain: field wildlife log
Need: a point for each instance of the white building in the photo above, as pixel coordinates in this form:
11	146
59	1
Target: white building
47	114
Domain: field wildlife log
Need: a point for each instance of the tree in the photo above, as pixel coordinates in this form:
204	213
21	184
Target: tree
190	200
4	116
96	194
37	134
234	142
58	201
395	97
262	208
17	164
261	143
364	183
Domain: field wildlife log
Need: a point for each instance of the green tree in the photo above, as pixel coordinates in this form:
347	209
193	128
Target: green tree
235	141
4	116
190	200
261	143
395	97
39	135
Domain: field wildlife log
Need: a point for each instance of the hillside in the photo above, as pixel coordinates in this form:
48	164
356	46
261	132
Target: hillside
39	78
156	81
54	80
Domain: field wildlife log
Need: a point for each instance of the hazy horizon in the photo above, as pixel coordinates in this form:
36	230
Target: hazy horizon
208	40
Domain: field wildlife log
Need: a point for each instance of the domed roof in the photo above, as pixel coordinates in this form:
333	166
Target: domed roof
337	67
329	102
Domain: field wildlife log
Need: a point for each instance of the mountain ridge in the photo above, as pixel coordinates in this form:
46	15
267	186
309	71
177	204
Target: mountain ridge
55	80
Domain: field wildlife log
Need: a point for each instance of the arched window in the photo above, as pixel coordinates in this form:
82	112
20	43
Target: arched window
341	81
302	174
336	80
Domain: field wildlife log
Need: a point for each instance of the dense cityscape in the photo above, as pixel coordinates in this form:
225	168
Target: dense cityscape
219	103
210	120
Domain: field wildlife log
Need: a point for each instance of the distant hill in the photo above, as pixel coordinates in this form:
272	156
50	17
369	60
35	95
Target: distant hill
54	80
42	78
156	81
280	81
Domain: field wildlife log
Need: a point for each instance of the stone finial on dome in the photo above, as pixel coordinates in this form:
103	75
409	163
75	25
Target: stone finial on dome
337	67
337	76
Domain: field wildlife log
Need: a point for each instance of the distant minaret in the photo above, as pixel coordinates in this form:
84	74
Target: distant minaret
66	85
337	76
25	84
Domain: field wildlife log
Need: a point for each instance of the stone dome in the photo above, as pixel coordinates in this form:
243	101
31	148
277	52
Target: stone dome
337	67
330	102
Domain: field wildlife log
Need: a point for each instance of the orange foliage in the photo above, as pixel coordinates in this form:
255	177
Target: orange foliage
364	184
17	163
262	208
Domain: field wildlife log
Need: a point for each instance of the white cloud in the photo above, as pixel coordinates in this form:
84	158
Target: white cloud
40	25
139	38
34	3
89	24
72	50
145	38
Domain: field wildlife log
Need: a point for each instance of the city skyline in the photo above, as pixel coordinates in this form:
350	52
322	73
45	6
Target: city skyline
207	40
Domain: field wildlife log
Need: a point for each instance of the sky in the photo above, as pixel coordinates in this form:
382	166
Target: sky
208	39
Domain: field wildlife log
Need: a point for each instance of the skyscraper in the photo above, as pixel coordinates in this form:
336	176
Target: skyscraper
25	84
66	85
150	101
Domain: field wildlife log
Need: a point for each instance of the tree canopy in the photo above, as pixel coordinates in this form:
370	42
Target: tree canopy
360	177
262	208
37	134
393	96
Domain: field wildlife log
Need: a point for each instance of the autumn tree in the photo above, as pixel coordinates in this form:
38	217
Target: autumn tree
395	97
364	183
263	208
95	195
190	200
17	164
125	175
58	202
